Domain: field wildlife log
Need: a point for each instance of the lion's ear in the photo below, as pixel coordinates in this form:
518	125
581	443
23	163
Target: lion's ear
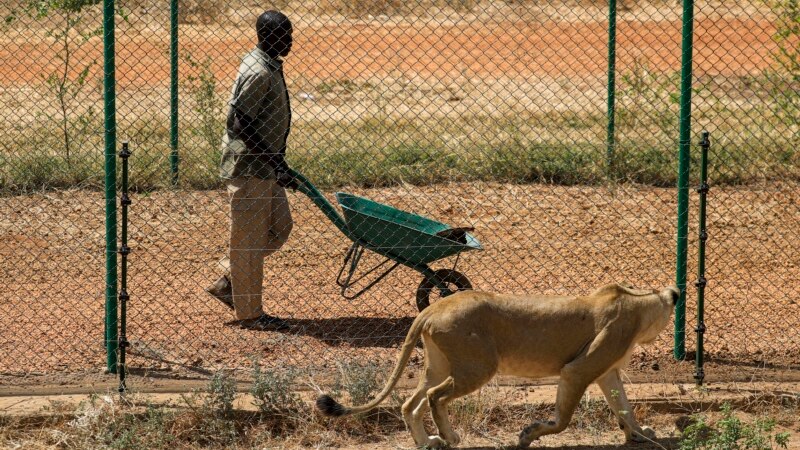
676	294
609	289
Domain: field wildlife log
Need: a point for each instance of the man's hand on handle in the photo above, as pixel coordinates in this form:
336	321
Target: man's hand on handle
286	180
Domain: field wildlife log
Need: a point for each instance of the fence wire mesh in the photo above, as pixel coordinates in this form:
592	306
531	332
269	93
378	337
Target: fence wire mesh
484	114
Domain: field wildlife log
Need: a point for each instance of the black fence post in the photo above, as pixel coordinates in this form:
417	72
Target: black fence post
699	374
124	250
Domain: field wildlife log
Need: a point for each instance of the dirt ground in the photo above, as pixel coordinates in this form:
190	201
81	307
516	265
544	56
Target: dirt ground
539	238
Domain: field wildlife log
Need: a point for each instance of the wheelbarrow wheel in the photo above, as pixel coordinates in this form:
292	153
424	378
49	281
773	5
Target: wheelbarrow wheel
455	281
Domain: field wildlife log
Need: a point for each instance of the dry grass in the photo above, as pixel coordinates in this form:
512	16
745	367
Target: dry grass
361	8
209	420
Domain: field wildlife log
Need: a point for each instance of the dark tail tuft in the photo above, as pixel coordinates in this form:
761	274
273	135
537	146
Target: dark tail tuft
329	406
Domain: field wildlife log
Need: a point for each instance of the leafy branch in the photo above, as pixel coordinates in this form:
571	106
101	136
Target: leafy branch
785	79
70	78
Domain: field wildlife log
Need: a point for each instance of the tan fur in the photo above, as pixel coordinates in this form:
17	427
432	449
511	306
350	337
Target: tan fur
471	336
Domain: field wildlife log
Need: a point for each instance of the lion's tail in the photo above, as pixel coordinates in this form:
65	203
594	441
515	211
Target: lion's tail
331	407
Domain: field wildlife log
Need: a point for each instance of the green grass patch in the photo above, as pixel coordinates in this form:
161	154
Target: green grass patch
553	148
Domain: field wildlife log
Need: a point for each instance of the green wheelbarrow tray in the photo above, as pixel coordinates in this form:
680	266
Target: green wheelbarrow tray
402	237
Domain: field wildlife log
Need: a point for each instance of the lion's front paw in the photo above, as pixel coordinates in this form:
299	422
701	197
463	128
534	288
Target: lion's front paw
646	435
435	442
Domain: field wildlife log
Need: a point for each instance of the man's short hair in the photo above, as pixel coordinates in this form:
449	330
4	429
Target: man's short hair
272	24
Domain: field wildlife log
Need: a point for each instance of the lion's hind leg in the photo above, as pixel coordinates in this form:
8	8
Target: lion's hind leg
436	370
413	409
468	372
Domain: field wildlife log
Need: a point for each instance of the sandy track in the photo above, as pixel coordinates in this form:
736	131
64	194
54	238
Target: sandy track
723	46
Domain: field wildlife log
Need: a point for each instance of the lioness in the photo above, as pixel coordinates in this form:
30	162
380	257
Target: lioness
471	336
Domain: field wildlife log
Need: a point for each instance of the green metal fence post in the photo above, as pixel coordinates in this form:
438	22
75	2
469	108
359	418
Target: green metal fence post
684	144
110	126
612	62
173	75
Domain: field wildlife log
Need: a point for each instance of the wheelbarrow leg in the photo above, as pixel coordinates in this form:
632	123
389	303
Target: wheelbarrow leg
353	257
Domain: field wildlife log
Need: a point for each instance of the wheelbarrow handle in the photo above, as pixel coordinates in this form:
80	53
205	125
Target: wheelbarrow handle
311	191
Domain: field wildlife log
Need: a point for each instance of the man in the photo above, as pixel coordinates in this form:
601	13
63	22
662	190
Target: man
255	171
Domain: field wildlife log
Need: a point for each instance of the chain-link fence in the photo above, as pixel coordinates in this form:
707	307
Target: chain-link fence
486	114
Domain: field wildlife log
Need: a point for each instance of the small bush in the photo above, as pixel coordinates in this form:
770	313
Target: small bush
221	394
731	433
361	382
208	115
209	419
150	431
272	391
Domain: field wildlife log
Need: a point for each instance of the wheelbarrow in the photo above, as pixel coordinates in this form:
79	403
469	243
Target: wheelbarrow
403	238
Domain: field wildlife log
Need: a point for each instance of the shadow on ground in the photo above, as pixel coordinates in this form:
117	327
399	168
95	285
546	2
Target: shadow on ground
386	332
